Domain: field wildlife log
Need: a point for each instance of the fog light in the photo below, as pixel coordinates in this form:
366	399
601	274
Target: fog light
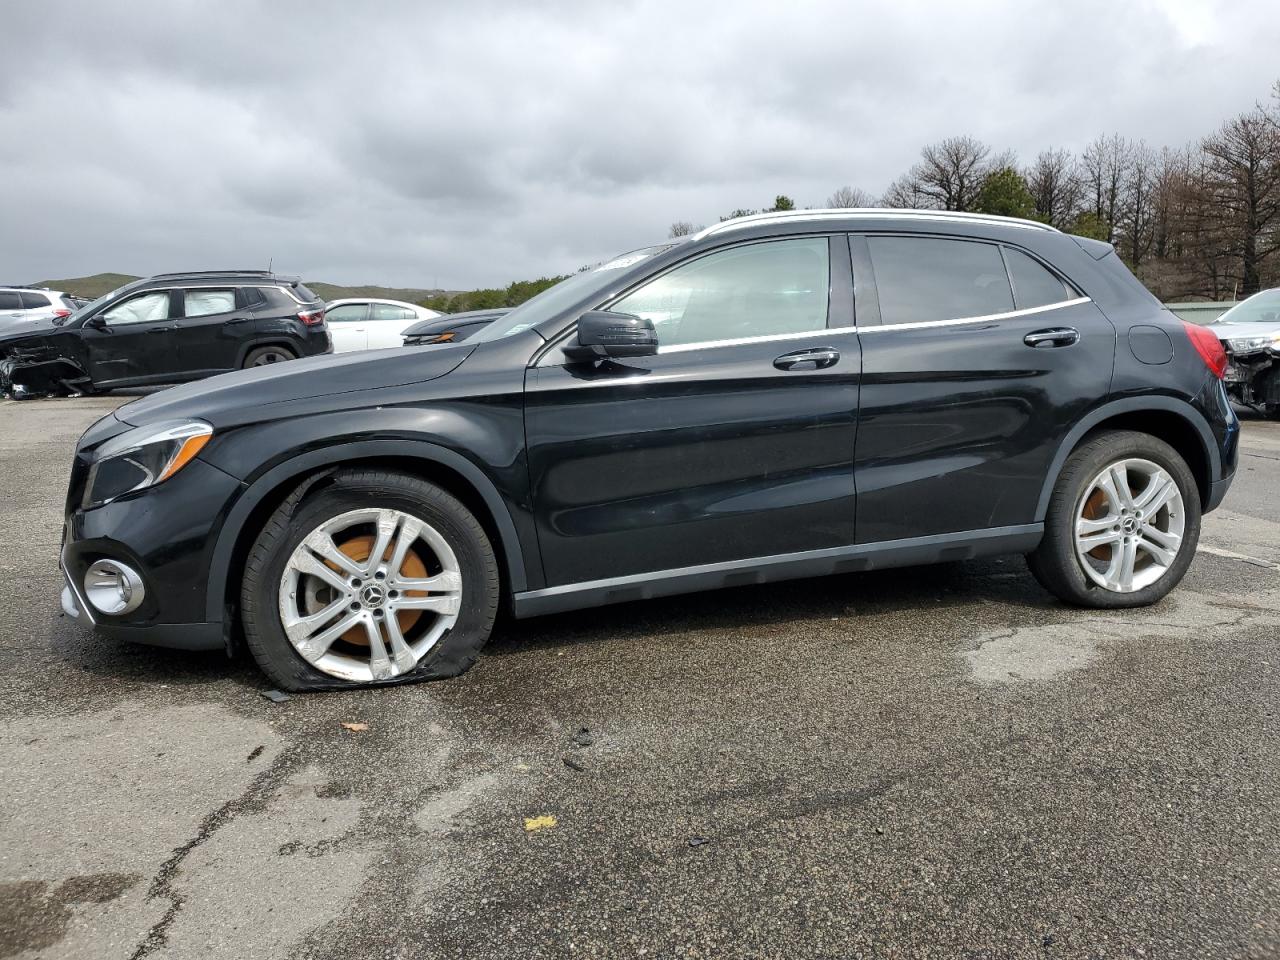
113	588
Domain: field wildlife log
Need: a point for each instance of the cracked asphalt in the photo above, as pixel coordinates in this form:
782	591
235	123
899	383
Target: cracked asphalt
932	762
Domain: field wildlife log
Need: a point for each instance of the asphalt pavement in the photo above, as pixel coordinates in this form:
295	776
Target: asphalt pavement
930	762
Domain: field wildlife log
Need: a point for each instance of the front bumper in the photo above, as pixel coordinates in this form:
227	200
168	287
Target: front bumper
166	534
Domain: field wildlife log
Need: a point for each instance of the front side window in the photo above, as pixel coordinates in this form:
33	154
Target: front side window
757	290
203	303
347	313
389	311
147	308
1033	284
923	279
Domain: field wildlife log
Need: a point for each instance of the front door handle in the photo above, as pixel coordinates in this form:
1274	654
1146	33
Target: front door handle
1055	337
820	357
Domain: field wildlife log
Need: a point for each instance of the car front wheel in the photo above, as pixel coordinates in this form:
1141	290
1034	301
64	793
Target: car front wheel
1122	524
375	578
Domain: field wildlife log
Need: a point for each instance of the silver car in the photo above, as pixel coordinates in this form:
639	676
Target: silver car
1250	331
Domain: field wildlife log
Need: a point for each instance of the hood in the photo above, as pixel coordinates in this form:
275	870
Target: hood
237	396
1233	331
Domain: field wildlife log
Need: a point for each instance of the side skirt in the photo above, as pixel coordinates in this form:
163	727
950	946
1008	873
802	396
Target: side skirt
942	548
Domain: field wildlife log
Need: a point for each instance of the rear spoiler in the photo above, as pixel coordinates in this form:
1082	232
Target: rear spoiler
1094	248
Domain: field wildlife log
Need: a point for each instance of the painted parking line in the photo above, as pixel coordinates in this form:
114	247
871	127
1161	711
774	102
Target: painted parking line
1232	555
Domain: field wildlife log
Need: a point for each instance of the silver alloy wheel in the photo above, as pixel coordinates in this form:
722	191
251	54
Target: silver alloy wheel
333	604
1129	525
272	356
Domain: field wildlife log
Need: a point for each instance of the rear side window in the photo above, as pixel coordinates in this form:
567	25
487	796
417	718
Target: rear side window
923	279
9	300
1033	284
388	311
146	308
203	303
347	313
755	290
34	301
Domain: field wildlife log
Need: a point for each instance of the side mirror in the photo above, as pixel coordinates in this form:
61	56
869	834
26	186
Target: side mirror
602	333
96	322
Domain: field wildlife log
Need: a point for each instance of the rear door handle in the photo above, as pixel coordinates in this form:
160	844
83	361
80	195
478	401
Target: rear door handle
820	357
1054	337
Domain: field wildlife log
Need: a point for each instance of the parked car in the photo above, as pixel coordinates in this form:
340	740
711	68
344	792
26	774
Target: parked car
166	329
451	327
1250	332
365	324
20	306
988	386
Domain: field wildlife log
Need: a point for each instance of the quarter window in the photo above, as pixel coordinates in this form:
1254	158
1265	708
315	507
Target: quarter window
1033	285
147	308
922	279
762	289
203	303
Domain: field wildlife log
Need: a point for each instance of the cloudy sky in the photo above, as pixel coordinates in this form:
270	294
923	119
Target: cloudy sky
465	144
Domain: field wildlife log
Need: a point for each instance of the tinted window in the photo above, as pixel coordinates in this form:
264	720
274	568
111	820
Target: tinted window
347	313
303	294
387	311
1033	285
10	301
750	291
253	297
202	303
146	308
922	278
34	301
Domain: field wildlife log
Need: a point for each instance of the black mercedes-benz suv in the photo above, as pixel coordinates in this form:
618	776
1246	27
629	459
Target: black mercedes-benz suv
169	328
783	395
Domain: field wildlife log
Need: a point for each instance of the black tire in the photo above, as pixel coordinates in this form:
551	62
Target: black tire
456	650
265	356
1054	562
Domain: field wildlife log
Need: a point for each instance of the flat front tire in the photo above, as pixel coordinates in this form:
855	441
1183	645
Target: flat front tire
374	578
1122	524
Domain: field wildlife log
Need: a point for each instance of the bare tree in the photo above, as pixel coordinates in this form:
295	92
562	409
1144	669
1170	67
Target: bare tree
848	198
1134	224
1055	186
1242	165
681	228
1105	163
906	193
950	172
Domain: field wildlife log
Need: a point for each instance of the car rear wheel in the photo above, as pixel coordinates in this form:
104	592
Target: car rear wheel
375	578
1122	525
265	356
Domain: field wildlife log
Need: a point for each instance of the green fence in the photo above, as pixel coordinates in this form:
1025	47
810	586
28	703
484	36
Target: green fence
1205	312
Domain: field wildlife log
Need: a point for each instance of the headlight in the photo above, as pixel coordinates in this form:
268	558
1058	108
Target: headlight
1246	344
142	458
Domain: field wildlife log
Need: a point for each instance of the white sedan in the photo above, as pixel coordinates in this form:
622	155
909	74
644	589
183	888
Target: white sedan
366	324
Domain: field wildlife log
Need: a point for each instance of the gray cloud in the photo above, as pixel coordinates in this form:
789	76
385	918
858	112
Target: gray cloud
466	144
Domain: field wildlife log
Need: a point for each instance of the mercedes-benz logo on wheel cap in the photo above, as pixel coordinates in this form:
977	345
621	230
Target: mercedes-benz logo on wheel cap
373	594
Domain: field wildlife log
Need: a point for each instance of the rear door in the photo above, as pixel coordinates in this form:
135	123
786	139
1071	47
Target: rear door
977	360
214	325
135	341
349	326
734	442
36	305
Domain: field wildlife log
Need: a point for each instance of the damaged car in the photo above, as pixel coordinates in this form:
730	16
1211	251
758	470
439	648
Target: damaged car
1250	333
169	328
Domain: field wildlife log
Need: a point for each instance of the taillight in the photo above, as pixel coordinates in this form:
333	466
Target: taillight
61	313
1209	347
311	318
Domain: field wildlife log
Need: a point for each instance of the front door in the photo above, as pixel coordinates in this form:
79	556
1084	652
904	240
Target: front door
135	341
982	361
735	441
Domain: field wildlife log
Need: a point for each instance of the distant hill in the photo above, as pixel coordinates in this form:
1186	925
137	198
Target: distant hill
100	283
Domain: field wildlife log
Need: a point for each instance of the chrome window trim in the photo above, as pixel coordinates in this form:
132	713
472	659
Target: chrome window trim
818	332
958	321
871	213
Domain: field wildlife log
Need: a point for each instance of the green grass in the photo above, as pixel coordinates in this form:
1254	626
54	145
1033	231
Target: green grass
100	283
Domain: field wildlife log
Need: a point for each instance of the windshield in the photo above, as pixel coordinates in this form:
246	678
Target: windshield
1262	307
88	308
565	293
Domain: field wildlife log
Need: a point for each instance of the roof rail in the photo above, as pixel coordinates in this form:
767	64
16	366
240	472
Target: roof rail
869	213
212	273
21	286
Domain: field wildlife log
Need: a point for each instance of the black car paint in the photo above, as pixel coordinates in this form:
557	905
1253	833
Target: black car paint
176	349
691	469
